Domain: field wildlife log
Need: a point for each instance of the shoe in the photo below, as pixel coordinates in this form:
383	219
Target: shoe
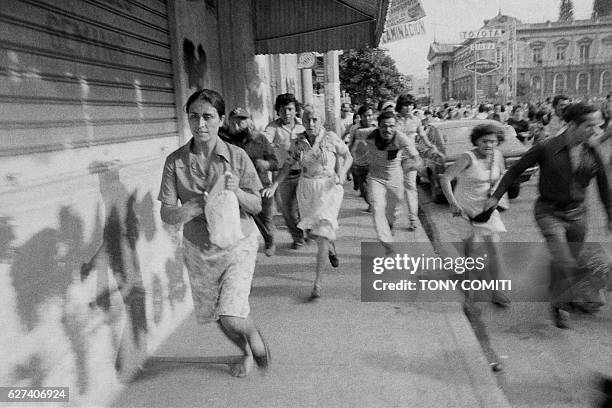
500	299
270	250
471	310
560	317
264	361
297	244
412	226
316	292
585	307
333	258
389	249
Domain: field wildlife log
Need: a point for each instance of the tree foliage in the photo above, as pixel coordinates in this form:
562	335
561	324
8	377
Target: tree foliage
602	8
370	75
566	11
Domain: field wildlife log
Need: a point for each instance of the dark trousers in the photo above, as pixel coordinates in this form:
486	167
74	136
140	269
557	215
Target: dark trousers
265	221
360	180
289	206
564	231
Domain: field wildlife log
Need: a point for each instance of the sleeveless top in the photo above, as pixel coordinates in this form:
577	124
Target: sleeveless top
475	182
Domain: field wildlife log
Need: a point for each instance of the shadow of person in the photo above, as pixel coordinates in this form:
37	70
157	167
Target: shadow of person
43	269
118	249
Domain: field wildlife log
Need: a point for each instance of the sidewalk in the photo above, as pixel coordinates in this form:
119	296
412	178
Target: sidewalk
334	352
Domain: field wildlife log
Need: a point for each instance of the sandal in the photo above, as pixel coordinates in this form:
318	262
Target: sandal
263	362
333	258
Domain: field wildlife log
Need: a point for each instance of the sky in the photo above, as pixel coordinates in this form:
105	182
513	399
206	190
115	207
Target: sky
445	19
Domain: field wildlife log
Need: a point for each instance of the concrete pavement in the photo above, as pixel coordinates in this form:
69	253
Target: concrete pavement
543	366
334	352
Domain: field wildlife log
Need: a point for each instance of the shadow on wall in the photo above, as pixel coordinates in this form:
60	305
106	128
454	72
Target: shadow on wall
195	63
41	272
255	83
57	267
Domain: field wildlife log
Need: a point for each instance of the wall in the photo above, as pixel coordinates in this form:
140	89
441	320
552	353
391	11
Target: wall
90	101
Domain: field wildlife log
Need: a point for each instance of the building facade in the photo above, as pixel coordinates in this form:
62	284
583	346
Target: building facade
540	60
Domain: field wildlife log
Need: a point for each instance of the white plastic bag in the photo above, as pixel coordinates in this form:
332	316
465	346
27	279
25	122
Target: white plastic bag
222	213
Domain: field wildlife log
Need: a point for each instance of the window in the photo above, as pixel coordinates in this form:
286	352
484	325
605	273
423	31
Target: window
584	52
536	83
582	83
559	83
561	53
537	55
605	82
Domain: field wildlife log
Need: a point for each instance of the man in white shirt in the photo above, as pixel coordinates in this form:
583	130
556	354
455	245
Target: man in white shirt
346	120
281	132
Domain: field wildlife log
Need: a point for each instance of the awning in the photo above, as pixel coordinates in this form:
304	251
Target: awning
294	26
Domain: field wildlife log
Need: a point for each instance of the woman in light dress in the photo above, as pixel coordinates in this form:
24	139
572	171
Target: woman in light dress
325	160
477	172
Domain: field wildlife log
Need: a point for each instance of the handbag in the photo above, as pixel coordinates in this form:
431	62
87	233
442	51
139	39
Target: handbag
504	202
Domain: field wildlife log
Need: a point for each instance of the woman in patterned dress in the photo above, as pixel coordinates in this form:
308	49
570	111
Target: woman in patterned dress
220	277
324	159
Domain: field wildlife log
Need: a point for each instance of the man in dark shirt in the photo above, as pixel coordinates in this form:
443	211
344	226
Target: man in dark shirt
240	132
567	165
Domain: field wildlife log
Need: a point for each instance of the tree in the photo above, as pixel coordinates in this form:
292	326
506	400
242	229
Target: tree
566	11
370	75
602	8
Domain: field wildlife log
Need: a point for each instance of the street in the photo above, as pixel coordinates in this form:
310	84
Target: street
338	351
543	366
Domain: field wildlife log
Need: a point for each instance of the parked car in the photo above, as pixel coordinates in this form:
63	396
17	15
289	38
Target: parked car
452	138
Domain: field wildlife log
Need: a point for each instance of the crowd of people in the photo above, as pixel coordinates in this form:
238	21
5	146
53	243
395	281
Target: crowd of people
224	184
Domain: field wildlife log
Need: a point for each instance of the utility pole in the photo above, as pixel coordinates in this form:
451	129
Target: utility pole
506	61
475	51
514	62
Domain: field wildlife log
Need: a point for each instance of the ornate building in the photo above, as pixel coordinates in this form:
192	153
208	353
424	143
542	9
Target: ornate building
542	59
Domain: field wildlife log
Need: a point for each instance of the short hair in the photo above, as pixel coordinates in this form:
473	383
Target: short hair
386	115
383	102
210	96
363	109
558	98
481	131
539	116
577	112
308	108
284	100
404	100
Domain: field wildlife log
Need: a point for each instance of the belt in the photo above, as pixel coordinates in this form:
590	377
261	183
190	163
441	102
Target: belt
561	206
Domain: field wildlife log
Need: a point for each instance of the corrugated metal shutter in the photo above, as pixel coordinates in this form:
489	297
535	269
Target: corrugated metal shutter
76	73
293	26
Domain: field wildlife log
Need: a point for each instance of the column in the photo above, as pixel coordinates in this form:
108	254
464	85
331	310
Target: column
306	85
332	91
